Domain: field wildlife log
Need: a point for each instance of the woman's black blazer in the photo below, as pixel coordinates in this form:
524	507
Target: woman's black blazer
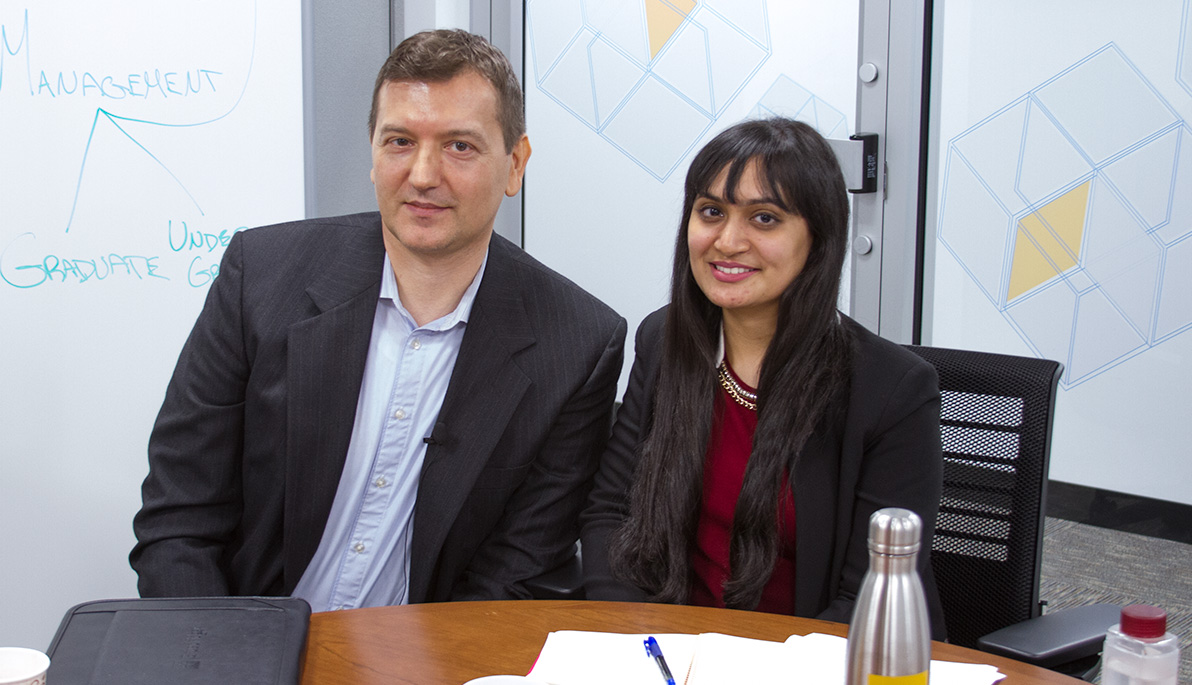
884	451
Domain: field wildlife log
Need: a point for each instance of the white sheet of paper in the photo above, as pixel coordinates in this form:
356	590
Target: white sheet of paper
592	658
821	659
572	657
723	659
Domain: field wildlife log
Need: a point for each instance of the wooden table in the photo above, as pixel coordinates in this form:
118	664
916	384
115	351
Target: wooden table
452	643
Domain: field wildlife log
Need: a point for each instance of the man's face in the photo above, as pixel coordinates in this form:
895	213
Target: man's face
440	166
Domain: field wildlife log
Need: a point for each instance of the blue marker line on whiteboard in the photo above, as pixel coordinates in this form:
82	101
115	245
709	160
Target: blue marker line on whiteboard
114	118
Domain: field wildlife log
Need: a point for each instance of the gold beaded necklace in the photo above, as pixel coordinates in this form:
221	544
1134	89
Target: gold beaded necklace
739	394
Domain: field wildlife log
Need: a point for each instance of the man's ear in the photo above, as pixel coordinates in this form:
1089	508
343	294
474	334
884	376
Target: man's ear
372	170
521	155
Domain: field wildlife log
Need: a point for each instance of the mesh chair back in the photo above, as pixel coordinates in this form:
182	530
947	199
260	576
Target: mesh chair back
995	424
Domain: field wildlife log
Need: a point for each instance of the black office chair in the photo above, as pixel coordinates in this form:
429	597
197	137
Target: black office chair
995	424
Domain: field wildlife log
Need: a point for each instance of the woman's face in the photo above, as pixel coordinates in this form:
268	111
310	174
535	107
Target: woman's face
744	254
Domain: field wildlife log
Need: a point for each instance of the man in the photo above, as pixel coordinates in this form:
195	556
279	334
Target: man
387	408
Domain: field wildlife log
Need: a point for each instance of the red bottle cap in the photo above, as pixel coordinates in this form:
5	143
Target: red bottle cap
1144	621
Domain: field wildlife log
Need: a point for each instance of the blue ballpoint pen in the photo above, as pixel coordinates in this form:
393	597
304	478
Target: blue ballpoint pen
655	652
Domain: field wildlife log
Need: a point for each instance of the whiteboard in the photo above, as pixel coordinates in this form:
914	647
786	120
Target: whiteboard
136	137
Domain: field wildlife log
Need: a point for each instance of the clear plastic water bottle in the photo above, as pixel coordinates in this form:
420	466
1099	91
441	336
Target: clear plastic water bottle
1139	650
890	635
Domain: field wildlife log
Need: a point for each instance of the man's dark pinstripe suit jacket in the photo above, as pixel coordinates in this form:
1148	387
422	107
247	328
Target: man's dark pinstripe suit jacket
247	450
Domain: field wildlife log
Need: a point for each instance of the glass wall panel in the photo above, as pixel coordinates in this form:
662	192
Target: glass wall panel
1061	209
621	94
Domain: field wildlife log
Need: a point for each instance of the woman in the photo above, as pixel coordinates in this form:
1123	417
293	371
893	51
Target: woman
761	427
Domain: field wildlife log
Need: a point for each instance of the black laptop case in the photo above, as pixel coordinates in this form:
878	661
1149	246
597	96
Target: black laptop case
188	641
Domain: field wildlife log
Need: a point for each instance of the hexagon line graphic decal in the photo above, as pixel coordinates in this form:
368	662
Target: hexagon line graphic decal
1071	209
650	77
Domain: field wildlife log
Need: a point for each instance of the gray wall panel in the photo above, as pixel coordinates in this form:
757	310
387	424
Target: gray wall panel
343	48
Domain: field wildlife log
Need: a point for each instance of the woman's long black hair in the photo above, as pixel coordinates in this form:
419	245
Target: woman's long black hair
804	376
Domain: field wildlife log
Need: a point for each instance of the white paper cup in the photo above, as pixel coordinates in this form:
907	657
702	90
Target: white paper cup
23	666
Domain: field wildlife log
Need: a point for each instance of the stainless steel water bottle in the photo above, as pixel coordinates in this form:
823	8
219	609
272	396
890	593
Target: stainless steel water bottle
889	639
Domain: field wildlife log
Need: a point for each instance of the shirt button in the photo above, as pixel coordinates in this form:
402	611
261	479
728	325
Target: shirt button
358	547
399	414
416	344
380	482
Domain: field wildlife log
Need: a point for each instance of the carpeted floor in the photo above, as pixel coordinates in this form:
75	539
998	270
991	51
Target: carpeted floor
1084	564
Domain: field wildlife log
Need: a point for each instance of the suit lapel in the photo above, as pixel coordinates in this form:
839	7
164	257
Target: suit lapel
485	389
327	354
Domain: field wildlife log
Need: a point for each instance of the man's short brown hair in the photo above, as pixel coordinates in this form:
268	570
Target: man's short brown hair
443	54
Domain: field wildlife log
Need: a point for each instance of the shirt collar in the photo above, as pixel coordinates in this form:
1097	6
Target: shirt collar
459	315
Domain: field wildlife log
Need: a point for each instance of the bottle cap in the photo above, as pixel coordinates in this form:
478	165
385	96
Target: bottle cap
1144	621
895	531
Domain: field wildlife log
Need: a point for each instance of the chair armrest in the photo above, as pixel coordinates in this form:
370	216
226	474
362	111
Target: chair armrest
562	582
1055	638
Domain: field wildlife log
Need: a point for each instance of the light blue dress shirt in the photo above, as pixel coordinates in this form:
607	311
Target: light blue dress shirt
363	557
